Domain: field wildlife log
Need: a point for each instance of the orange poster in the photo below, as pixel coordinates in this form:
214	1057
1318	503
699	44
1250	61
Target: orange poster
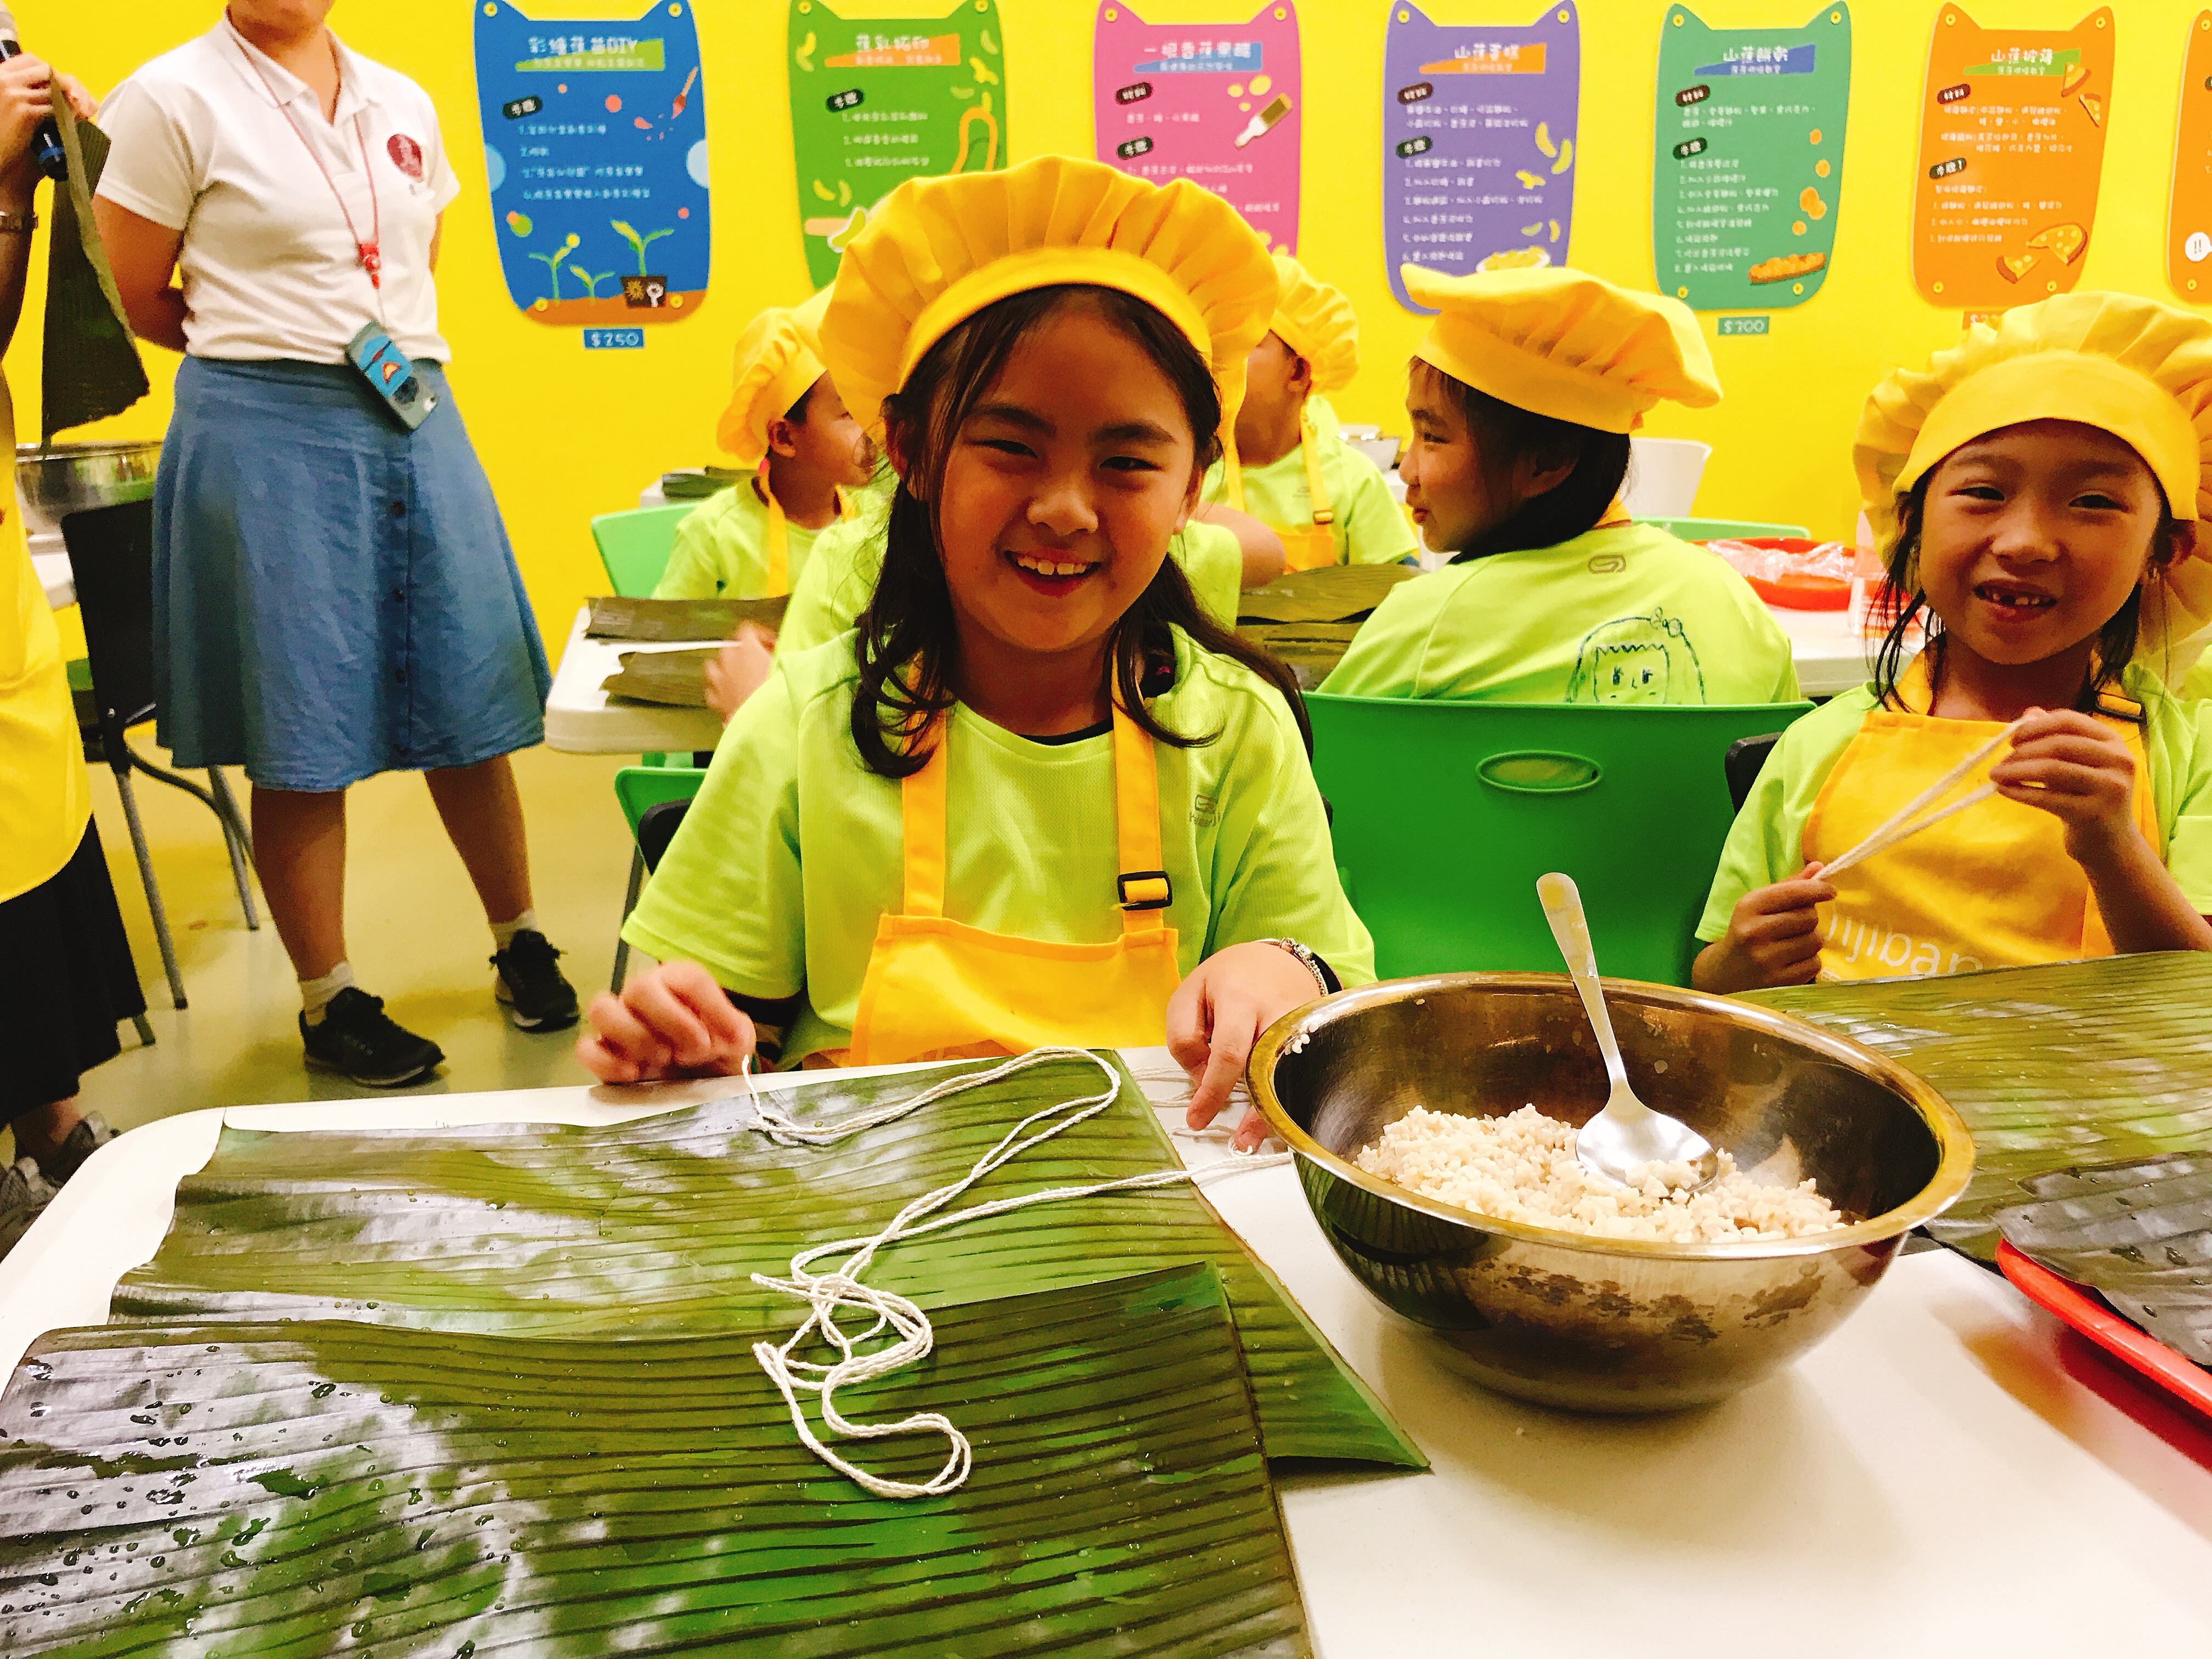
2012	146
2189	210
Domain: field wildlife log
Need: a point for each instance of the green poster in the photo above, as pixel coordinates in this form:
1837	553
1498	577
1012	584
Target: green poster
1748	162
877	101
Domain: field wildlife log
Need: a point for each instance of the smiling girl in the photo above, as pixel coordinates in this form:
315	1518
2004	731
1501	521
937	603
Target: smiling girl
2039	488
1523	397
1041	798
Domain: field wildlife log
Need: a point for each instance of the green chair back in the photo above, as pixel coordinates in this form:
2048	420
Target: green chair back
639	789
1445	813
635	546
1712	530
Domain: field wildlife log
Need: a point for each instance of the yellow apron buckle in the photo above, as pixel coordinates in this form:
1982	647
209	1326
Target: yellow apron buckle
1146	889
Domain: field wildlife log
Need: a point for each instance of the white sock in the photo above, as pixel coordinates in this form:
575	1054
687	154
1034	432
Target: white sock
504	933
315	995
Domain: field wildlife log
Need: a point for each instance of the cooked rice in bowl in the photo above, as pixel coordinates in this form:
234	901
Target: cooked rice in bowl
1522	1168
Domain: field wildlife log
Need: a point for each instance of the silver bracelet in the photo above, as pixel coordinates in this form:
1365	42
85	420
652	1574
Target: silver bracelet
1312	962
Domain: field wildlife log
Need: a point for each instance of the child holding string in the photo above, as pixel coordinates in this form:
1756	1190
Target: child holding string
1040	797
2038	489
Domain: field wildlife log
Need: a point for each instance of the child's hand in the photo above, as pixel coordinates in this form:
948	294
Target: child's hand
1216	1015
1773	938
670	1021
740	668
2078	770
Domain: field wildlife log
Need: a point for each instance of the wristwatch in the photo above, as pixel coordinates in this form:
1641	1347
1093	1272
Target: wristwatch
1313	964
18	224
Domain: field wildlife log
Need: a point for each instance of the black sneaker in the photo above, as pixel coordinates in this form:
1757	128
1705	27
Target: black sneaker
354	1036
90	1134
530	987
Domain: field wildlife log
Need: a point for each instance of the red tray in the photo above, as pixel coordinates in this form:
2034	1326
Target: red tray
1794	592
2082	1310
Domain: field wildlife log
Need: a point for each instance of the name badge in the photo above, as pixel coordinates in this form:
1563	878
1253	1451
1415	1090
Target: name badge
391	375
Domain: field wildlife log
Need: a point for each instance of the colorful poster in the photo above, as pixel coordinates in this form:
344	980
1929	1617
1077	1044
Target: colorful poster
1218	104
1748	164
595	141
1479	131
2189	210
2011	149
877	101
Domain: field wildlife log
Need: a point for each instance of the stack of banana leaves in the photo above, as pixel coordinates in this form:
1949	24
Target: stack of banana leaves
2053	1068
676	678
493	1389
1307	618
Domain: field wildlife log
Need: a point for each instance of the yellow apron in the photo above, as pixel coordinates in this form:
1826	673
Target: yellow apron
939	989
1305	546
1992	887
778	541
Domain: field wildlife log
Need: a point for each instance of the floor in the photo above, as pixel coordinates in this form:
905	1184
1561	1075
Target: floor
416	937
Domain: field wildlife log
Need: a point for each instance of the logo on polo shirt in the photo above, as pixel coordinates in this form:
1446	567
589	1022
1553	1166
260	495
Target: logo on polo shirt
406	155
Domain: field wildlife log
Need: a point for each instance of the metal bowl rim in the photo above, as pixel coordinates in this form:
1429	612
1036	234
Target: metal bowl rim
90	449
1954	1142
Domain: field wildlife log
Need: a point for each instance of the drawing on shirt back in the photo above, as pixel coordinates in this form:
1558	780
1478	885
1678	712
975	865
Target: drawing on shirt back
1647	659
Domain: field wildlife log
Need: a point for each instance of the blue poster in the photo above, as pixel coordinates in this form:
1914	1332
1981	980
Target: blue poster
595	143
1480	124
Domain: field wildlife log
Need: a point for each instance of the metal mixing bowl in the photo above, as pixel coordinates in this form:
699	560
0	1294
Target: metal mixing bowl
1598	1324
74	477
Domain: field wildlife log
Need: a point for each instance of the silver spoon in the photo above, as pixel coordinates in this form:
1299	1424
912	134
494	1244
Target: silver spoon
1627	1134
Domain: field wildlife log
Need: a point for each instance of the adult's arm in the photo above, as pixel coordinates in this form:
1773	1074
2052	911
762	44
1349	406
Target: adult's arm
26	89
144	256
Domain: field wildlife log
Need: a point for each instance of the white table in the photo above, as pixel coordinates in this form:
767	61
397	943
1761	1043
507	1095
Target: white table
580	719
1948	1474
1830	654
56	578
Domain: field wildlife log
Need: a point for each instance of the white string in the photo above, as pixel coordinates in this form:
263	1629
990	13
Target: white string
908	1335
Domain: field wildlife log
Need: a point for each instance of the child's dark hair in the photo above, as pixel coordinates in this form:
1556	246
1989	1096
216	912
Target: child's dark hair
906	640
2116	640
797	413
1505	435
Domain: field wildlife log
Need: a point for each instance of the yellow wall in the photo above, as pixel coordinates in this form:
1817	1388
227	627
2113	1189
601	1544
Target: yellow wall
566	433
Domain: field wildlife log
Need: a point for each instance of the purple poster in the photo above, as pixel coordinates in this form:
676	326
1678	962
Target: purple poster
1479	130
1218	104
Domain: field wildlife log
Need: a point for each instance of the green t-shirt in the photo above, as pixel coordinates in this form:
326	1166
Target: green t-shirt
840	578
1369	528
1627	614
793	849
722	549
1767	841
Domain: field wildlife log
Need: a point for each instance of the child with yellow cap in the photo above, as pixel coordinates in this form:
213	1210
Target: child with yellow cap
2039	490
786	419
1042	798
1285	464
1523	396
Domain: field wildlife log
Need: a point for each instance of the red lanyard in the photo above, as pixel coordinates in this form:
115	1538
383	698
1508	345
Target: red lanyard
371	253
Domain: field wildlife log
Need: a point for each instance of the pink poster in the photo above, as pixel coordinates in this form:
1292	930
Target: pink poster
1218	104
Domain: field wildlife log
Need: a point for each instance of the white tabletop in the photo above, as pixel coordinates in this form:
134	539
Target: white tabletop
580	719
55	576
1830	653
1948	1474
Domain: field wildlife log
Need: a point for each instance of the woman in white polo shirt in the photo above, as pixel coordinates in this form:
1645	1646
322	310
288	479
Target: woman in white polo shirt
334	595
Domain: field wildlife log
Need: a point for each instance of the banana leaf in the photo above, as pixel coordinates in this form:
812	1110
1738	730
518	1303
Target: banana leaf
2140	1235
2071	1063
656	1225
676	679
678	621
257	1490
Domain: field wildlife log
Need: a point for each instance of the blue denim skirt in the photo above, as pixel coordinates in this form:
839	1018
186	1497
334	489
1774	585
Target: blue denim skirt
334	597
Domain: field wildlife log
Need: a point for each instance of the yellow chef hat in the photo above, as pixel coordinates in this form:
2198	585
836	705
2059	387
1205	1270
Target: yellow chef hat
937	250
1317	321
776	368
807	314
2134	367
1560	343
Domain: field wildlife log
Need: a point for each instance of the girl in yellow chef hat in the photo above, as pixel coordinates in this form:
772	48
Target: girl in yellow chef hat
1285	464
1523	396
786	420
1040	797
2038	489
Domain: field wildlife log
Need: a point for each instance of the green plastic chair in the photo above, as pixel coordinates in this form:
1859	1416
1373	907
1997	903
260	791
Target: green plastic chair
1710	530
638	790
1445	813
634	546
